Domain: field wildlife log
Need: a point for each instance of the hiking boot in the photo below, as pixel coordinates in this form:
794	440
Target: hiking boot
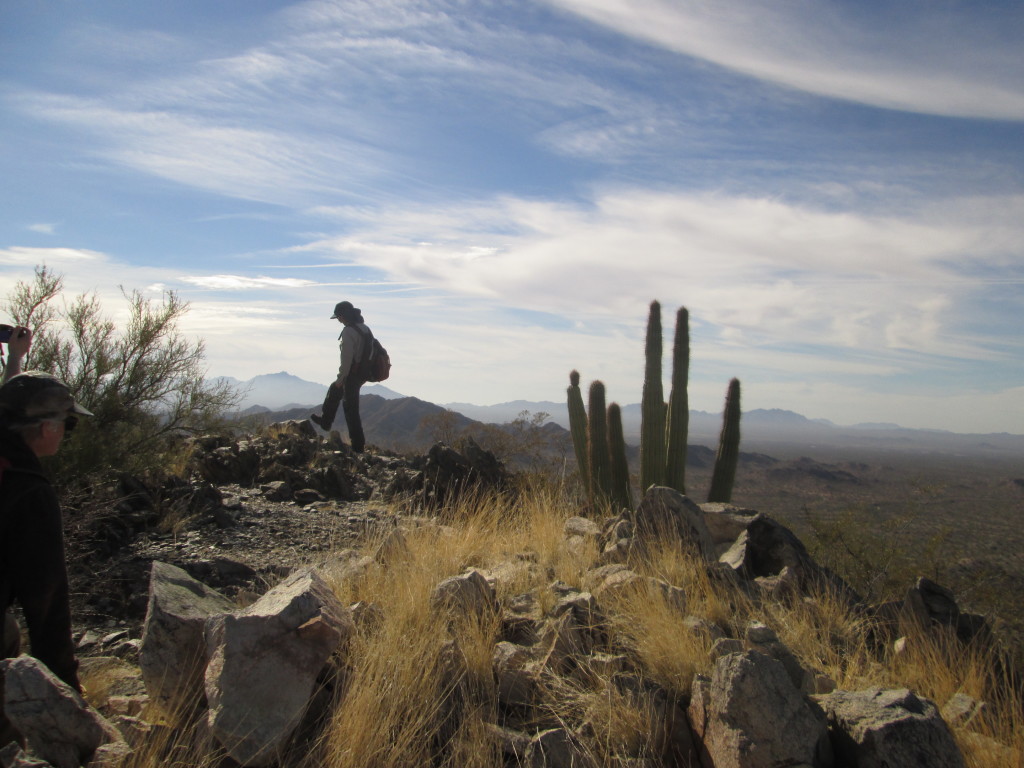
319	421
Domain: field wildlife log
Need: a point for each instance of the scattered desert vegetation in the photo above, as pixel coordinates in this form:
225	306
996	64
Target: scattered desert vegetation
416	685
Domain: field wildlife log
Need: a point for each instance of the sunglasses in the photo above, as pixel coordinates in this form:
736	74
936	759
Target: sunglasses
69	424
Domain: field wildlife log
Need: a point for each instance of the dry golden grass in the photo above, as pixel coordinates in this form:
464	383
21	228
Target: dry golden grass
418	688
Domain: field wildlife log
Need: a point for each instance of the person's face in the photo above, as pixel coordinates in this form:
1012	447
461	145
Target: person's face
51	435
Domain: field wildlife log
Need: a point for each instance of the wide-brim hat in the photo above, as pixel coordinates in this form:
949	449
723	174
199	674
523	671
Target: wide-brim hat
37	396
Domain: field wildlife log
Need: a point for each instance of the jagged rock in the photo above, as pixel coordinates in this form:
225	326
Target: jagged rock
447	474
292	428
55	721
704	628
581	526
467	594
667	725
366	614
306	496
513	673
395	546
626	584
724	646
512	744
120	678
766	547
962	709
563	641
264	663
761	637
13	756
879	728
521	618
277	490
754	717
725	522
234	463
665	513
556	748
112	755
173	653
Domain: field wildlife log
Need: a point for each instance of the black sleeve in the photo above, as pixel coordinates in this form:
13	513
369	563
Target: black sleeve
35	546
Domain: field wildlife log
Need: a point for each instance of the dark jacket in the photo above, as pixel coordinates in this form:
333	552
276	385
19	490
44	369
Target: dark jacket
33	571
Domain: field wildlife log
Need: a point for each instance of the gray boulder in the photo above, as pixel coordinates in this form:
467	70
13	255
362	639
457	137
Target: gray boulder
57	724
468	594
173	653
264	664
750	715
665	513
879	728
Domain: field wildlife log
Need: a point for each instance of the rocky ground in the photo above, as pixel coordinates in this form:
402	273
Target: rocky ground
251	512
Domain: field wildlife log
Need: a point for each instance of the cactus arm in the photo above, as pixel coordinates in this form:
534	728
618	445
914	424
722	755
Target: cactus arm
578	428
620	492
600	472
652	404
678	422
728	456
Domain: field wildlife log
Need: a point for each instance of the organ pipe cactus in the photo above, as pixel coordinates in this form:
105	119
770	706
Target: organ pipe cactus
578	427
620	495
597	435
678	420
600	470
652	406
724	474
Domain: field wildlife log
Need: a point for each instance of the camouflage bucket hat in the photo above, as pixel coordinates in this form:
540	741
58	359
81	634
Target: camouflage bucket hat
37	396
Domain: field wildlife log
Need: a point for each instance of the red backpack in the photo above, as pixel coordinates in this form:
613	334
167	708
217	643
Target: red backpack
376	363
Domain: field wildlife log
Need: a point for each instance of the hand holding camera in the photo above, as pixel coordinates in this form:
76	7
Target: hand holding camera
18	339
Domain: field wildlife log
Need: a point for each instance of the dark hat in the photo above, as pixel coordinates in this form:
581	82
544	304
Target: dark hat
37	396
344	309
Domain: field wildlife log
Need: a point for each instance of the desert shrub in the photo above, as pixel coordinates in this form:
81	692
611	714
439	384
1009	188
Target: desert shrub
145	382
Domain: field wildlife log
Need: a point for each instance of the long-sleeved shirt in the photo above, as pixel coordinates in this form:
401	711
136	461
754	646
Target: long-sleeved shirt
33	571
352	344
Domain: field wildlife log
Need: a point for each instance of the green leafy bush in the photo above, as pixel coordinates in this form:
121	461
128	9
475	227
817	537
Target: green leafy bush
145	383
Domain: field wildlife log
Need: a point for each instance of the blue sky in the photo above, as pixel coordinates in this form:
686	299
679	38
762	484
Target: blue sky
835	190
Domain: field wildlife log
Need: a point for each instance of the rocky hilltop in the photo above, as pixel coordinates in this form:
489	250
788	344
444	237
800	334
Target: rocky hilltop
236	618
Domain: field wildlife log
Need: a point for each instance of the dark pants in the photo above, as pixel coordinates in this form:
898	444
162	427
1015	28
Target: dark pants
348	398
11	647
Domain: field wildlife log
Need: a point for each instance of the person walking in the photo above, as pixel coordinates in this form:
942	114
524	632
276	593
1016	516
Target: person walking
37	412
353	344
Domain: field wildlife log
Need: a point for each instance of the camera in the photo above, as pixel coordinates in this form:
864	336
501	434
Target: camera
6	331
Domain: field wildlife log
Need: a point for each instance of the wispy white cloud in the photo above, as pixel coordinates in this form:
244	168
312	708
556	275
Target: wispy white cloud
914	56
42	228
24	255
763	274
242	283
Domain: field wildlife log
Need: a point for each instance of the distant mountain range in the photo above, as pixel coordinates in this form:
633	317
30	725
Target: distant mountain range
392	415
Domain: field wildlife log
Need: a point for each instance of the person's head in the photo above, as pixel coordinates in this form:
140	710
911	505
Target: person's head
345	313
40	408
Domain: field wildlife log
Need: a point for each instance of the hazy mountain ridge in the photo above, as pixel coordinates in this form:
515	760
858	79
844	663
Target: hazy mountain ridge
763	429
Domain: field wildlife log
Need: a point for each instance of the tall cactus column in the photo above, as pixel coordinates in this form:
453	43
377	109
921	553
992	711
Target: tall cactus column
724	473
621	495
578	428
678	422
600	470
652	404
